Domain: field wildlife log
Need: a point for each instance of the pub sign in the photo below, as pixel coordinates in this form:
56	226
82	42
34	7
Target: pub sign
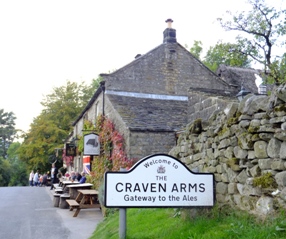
159	180
70	149
91	144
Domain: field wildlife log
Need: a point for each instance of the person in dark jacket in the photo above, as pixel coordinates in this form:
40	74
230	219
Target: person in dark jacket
78	176
54	172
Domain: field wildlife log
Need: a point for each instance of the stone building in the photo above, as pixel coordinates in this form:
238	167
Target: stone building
240	76
152	98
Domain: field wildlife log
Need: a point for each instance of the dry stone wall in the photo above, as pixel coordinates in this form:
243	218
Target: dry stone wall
244	146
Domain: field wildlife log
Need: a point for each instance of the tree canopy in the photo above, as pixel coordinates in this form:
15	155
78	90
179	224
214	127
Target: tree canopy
224	53
262	28
197	49
7	131
49	130
221	53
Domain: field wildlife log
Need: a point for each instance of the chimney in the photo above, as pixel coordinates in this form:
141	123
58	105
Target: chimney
169	33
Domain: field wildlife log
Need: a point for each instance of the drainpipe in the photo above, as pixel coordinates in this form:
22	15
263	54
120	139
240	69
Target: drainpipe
102	85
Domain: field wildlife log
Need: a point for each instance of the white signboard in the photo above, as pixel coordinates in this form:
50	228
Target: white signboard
91	144
159	181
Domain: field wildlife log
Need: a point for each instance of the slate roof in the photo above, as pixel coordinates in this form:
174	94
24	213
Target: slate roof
143	114
238	76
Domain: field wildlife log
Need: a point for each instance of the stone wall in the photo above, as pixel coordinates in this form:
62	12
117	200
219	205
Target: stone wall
244	145
202	105
148	143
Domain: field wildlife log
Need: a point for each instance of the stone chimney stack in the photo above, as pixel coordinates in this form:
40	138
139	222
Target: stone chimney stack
169	33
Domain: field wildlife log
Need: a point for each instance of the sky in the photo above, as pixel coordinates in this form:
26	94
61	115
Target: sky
44	43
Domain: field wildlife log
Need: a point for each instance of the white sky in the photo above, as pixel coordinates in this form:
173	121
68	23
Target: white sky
44	43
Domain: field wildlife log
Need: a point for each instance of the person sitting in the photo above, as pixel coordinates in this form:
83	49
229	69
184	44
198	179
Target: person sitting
83	178
67	176
78	176
45	179
73	176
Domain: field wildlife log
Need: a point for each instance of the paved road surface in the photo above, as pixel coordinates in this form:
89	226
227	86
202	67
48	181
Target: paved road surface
28	213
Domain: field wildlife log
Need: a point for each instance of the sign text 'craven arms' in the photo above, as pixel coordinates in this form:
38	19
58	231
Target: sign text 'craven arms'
158	181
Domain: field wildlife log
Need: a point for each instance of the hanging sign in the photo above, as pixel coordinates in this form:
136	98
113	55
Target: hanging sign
91	144
159	180
70	149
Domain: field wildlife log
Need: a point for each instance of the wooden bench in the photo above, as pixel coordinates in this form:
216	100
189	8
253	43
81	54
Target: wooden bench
73	205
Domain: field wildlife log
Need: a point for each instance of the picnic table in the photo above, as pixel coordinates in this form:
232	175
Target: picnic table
73	188
65	183
86	198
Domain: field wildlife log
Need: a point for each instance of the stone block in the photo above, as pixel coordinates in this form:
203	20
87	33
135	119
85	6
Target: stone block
239	152
219	168
264	205
281	179
282	194
217	177
221	188
273	148
255	171
232	188
231	175
265	163
228	153
220	198
251	154
282	152
278	164
242	177
260	149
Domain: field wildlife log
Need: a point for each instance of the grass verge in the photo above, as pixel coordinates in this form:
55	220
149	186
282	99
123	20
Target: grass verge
161	223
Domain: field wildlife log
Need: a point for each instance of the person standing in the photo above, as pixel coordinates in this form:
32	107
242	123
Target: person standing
36	178
31	178
54	172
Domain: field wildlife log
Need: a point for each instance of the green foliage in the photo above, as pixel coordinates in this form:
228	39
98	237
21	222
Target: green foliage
19	172
5	172
13	172
265	181
7	131
112	154
225	53
197	49
278	70
53	125
96	83
261	28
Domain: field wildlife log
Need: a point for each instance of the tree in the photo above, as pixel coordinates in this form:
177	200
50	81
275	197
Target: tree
40	143
18	173
261	27
197	49
53	125
7	131
5	172
224	53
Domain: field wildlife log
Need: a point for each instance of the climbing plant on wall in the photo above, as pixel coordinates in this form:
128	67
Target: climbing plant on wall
112	154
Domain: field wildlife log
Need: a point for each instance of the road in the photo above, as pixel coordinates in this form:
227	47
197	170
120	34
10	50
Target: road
28	213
